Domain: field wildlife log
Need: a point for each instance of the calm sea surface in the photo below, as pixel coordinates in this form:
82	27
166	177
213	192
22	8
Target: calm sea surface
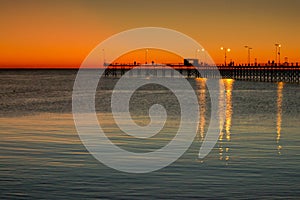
42	157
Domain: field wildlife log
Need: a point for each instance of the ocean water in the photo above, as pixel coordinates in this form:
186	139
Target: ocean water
42	157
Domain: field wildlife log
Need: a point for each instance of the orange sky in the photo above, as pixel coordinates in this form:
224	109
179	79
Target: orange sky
62	33
156	55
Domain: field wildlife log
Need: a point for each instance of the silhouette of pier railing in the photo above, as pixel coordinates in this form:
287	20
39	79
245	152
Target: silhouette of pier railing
263	73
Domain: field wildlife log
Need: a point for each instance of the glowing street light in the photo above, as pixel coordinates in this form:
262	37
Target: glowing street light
225	51
196	53
204	56
277	46
249	53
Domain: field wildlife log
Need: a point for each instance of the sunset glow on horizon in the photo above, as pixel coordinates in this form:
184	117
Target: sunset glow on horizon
61	34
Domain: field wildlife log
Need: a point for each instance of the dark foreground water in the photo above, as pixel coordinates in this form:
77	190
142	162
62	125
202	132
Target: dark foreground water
42	157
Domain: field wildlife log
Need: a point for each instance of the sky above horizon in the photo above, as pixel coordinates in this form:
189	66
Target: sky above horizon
62	33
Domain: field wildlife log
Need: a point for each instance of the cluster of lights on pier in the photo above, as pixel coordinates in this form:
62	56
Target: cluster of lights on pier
226	51
249	49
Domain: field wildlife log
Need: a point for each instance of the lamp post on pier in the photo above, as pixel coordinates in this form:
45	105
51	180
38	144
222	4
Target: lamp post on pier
204	56
146	56
225	56
196	53
279	53
249	54
277	48
103	51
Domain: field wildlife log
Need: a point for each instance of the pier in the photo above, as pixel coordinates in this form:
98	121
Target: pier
264	73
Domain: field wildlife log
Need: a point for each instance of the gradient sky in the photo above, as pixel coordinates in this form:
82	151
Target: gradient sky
62	33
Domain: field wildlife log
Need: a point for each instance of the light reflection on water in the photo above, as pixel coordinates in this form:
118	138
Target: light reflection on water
225	126
42	156
201	83
279	115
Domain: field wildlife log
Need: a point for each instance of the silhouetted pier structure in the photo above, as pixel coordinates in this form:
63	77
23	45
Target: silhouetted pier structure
264	73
